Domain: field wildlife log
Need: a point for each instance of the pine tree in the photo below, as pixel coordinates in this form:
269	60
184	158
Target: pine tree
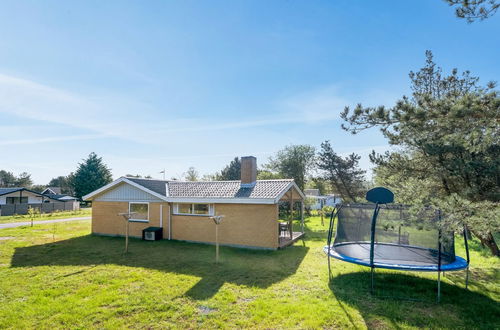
344	174
448	147
473	10
231	171
91	174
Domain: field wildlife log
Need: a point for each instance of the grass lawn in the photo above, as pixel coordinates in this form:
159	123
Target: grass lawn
60	276
86	212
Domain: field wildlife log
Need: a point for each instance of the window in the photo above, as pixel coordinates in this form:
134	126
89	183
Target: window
201	209
16	200
194	209
185	208
141	211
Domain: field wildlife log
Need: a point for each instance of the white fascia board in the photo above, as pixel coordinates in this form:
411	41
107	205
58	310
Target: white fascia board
104	188
290	186
118	181
221	200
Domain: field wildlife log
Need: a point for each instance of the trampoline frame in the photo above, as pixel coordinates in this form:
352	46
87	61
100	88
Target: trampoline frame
373	265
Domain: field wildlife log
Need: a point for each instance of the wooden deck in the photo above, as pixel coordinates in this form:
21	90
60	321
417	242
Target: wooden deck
285	240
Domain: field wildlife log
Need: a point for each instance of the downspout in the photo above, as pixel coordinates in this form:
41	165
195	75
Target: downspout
161	216
170	221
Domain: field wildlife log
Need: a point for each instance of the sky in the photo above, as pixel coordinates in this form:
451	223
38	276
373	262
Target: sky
153	85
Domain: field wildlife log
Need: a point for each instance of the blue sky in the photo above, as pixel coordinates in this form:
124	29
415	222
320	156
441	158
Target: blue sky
173	84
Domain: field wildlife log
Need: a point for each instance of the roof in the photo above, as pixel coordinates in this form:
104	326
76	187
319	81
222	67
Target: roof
5	191
62	197
158	186
311	192
52	191
264	191
227	189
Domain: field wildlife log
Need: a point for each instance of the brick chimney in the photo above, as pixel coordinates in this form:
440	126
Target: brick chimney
248	171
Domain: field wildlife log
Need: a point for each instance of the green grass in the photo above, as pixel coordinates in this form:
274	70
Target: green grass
85	212
59	276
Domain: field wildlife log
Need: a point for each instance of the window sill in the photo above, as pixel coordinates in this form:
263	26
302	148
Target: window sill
193	215
138	220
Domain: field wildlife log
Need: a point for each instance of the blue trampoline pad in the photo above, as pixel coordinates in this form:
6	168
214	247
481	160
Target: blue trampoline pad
394	256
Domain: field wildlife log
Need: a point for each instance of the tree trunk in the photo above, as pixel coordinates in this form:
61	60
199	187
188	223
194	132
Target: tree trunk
488	241
492	245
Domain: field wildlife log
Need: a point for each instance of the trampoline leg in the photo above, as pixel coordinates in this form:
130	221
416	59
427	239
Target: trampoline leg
329	269
372	290
467	278
439	287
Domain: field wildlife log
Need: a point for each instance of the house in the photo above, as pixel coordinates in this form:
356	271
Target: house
55	192
183	209
321	201
51	191
18	200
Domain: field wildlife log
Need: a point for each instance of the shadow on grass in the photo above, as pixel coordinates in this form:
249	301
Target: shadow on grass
458	306
253	268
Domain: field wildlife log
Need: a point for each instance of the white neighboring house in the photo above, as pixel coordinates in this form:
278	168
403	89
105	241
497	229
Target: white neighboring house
321	200
9	196
18	200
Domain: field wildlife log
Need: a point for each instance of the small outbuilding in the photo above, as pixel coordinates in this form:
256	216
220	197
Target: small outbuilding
183	209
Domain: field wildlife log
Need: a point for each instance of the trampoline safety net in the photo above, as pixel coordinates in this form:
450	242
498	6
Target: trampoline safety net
400	237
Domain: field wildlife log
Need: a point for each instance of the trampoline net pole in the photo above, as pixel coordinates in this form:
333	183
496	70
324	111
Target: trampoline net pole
467	278
466	243
372	290
439	288
330	234
372	246
440	238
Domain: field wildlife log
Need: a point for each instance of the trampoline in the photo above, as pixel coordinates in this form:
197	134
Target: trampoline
383	235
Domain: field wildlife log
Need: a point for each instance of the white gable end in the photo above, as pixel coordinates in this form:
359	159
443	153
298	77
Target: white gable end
125	192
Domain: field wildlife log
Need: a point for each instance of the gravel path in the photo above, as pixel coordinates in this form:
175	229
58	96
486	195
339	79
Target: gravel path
28	223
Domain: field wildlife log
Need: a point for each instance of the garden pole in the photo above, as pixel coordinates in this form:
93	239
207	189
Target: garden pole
217	220
127	217
216	243
126	236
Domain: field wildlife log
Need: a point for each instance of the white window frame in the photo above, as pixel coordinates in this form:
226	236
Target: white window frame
211	210
138	220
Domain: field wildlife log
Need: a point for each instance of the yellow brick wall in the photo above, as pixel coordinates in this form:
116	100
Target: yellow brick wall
244	224
105	218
